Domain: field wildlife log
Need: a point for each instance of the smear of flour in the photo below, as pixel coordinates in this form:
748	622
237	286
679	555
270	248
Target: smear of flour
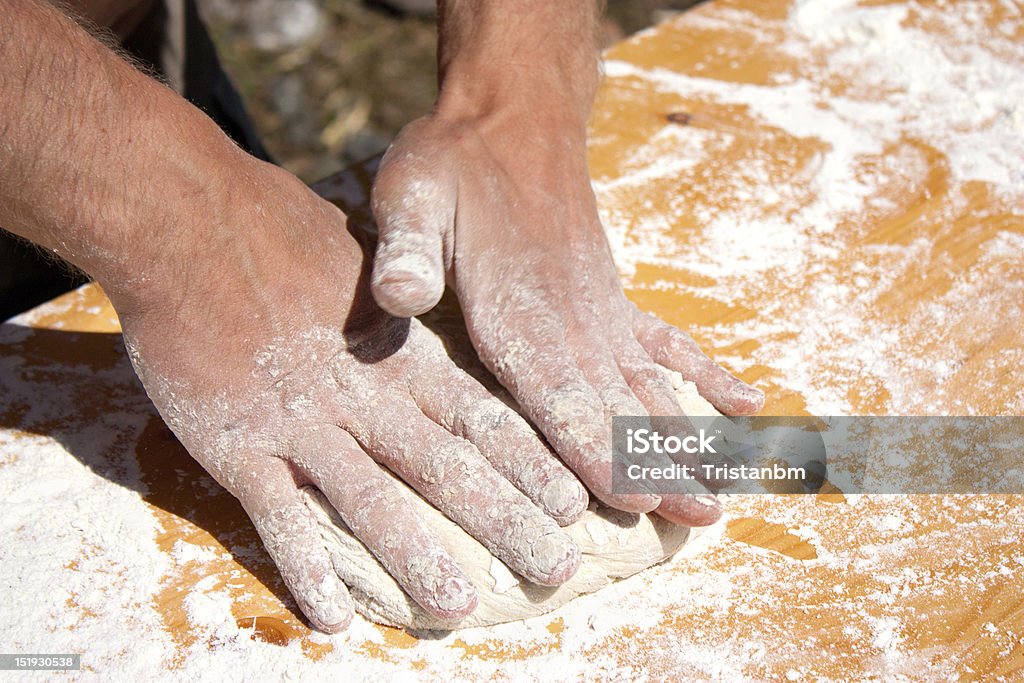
81	567
958	98
79	555
184	552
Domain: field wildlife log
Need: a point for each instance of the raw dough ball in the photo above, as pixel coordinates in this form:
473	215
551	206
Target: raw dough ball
614	545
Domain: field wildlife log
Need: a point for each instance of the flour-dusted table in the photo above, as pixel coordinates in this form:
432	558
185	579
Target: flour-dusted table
828	195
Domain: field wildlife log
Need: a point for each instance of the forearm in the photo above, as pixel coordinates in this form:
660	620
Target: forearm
99	164
535	57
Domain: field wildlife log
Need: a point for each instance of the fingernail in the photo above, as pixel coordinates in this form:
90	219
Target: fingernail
632	502
751	393
329	604
564	499
454	597
708	500
556	557
693	509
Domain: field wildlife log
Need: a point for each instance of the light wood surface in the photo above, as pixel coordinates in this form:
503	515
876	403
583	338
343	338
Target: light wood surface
805	587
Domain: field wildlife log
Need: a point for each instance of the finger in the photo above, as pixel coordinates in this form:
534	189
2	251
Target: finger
289	531
604	372
371	505
453	476
649	382
674	349
465	408
652	387
413	212
621	400
571	414
691	509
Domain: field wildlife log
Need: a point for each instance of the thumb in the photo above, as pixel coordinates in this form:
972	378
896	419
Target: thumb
414	212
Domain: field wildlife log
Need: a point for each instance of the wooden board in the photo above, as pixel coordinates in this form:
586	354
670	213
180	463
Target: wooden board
906	302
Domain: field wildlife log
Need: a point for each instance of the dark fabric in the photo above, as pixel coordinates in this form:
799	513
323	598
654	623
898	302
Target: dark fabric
171	37
28	277
193	68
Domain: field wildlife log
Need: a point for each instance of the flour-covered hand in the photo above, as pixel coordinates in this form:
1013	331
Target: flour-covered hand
269	360
247	314
491	193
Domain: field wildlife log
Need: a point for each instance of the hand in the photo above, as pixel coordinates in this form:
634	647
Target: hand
501	206
246	313
265	354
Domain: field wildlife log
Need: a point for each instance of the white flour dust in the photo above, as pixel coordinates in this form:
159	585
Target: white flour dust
81	565
902	119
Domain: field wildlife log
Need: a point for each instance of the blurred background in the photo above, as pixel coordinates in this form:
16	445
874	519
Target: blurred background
330	82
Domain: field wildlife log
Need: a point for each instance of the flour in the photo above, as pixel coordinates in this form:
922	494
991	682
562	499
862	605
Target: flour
81	567
79	557
184	552
785	218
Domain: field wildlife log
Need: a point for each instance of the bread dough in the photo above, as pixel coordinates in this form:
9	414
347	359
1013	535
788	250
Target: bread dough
614	545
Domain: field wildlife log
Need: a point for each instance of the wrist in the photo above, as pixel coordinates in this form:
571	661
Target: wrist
537	100
148	237
247	229
532	59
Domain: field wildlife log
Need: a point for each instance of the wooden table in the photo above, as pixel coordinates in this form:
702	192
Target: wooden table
771	183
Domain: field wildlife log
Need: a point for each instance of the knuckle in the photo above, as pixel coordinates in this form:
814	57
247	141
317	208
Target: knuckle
650	378
448	466
488	416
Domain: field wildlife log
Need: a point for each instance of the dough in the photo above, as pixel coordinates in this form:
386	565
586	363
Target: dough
614	545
